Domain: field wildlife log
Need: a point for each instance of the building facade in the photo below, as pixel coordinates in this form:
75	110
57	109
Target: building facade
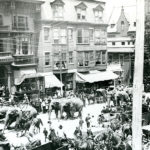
121	42
72	38
17	39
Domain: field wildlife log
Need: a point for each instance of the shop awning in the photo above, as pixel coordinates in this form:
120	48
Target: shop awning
21	75
114	68
51	80
96	76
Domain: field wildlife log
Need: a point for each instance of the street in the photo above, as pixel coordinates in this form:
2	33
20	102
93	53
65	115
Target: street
68	125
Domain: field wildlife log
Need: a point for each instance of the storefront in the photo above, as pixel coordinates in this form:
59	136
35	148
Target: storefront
94	80
29	82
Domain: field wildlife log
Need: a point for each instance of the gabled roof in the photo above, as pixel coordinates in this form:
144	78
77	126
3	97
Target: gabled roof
81	6
57	2
130	15
99	8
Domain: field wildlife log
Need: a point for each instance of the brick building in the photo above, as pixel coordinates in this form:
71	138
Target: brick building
72	38
120	42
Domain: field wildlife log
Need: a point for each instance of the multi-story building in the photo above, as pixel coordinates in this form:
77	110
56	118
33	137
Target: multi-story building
72	38
17	39
121	41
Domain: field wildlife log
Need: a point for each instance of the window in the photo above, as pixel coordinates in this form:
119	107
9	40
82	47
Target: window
112	25
59	36
1	20
128	42
81	14
58	11
110	59
83	36
25	46
86	60
122	43
70	57
64	60
98	15
121	59
122	25
91	56
133	42
46	33
98	58
47	58
91	34
63	36
20	22
100	37
113	43
70	34
103	57
1	46
134	24
56	36
80	59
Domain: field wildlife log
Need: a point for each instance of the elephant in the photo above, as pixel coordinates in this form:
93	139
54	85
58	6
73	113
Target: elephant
19	115
121	96
67	105
72	106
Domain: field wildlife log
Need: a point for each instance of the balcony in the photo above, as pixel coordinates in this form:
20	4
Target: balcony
24	60
6	58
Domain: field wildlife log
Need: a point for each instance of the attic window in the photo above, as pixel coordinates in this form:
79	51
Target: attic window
122	25
134	24
81	11
112	25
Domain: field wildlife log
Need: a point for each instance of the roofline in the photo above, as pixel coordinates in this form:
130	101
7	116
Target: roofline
95	1
72	22
28	1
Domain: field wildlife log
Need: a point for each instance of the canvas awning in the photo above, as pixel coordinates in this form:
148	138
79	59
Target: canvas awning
95	76
21	75
51	80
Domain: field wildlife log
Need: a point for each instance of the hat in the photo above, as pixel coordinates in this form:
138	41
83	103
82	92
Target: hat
60	126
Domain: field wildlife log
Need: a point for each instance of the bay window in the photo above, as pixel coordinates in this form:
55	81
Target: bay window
86	60
59	36
100	57
20	22
83	36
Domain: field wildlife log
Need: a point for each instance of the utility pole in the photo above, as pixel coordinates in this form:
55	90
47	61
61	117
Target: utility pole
138	77
60	54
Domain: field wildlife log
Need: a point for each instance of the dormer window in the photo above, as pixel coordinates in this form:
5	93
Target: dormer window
58	7
98	12
112	25
81	11
134	24
122	25
1	20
